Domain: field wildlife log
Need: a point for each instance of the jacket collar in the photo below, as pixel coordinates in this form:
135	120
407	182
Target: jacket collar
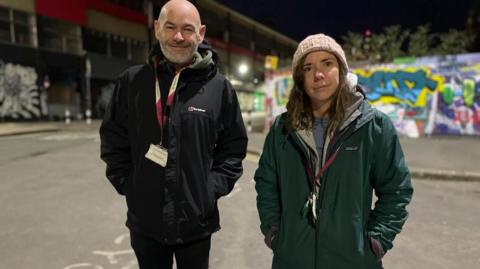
358	113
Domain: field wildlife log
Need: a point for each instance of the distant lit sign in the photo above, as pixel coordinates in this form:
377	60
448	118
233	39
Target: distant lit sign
271	62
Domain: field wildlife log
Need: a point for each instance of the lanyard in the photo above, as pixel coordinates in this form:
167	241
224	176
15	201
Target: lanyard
162	116
311	203
316	179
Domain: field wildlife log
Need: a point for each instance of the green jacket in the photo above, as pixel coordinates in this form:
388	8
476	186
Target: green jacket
369	158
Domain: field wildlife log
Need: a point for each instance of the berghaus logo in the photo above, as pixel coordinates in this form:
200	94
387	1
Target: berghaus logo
192	108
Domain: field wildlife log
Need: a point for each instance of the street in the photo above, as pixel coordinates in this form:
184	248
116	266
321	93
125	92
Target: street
60	212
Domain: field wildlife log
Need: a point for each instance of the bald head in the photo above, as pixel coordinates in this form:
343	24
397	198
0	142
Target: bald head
183	7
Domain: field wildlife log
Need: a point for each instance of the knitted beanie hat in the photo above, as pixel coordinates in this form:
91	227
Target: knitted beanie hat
319	42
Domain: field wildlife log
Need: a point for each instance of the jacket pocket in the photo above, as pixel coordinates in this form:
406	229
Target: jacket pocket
198	192
211	188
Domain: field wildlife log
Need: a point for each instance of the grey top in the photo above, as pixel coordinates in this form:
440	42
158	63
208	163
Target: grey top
320	126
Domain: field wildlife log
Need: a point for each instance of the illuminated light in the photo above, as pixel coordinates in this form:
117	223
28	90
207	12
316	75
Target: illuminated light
243	69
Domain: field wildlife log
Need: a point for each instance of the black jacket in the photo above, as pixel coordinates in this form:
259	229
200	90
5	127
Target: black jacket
206	145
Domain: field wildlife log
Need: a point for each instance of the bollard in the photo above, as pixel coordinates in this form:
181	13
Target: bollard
88	116
249	121
67	116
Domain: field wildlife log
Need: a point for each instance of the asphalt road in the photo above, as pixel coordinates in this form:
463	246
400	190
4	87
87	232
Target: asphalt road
59	212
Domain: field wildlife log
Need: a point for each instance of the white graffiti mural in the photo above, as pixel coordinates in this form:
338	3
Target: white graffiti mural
19	97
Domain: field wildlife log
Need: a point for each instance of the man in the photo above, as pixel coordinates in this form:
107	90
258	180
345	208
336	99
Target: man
173	140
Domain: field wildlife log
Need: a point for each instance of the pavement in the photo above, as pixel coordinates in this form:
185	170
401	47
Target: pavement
20	128
439	157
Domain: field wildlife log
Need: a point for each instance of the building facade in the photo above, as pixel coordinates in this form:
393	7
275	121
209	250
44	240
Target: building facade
60	58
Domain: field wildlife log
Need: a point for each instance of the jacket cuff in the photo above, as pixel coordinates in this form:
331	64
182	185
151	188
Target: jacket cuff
272	232
376	247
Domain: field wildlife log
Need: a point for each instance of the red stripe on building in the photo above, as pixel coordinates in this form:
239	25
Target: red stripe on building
70	11
117	11
219	44
75	11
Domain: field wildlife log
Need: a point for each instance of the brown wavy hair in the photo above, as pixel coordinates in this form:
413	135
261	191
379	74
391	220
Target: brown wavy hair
299	107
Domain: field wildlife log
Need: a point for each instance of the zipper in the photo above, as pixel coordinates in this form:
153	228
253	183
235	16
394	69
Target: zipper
172	129
316	244
323	179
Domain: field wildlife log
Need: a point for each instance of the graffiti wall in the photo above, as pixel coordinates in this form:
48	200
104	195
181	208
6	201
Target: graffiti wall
429	96
426	96
277	88
19	96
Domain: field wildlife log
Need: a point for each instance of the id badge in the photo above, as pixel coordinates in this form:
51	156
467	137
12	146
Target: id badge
157	154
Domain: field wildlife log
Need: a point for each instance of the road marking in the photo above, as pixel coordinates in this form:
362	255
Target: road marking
111	255
61	137
83	265
120	238
131	264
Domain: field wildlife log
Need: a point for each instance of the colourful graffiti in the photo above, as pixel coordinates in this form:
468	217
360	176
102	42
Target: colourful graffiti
431	96
282	87
19	96
277	88
410	85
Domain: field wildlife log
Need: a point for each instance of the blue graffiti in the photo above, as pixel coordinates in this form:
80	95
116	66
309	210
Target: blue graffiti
380	84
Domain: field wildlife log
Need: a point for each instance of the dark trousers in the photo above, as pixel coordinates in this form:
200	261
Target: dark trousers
151	254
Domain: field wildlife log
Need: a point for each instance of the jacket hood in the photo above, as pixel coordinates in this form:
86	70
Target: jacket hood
352	111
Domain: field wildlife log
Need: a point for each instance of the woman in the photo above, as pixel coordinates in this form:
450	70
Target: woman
320	163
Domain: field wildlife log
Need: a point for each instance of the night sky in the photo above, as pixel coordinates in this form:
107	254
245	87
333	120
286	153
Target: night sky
299	18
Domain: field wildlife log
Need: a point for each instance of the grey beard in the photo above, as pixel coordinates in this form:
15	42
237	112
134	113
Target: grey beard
174	59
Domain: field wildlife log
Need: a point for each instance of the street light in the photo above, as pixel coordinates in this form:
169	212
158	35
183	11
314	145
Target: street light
243	69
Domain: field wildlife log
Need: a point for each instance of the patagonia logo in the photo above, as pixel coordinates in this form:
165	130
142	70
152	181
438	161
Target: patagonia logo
192	108
351	148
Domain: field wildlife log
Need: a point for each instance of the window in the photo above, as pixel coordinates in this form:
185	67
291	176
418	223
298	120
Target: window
138	51
15	26
49	39
114	46
20	17
95	41
58	35
22	34
5	34
118	47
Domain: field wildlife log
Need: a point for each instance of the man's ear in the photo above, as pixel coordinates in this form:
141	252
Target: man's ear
156	24
202	31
